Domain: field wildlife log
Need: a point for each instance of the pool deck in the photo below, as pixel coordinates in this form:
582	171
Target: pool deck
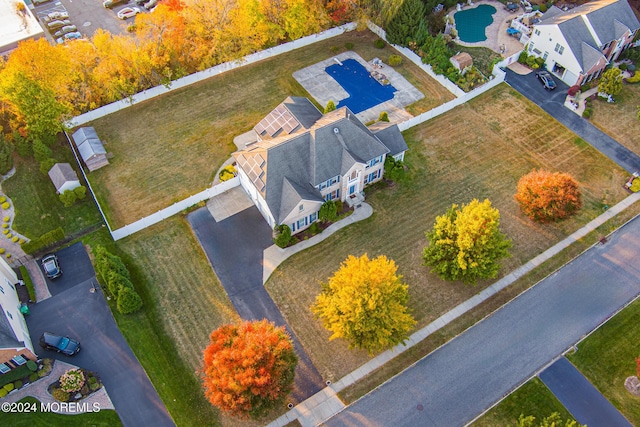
322	87
496	32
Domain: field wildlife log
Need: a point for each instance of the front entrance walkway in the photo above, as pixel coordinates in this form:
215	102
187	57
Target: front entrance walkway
587	405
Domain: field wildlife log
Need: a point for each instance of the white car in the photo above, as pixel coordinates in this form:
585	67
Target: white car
150	4
128	12
53	16
70	36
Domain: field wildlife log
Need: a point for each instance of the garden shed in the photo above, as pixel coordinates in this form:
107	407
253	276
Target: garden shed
90	147
461	61
63	177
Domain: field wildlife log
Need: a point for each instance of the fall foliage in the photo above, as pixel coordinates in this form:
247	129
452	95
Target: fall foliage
248	368
466	243
548	196
365	302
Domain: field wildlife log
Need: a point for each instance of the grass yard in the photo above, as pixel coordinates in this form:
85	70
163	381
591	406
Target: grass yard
170	147
607	358
38	208
103	418
533	398
482	57
478	150
620	120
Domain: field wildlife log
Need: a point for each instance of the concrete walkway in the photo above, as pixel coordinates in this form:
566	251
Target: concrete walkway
325	403
39	388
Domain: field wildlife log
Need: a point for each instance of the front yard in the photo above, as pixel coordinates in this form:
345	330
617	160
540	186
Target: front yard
620	119
478	150
170	147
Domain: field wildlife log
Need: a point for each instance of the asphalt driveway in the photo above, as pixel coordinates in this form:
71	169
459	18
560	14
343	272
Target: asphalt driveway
76	268
235	249
587	405
83	314
458	381
553	103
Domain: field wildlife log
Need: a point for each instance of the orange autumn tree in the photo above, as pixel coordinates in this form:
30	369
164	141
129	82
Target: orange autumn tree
548	196
249	368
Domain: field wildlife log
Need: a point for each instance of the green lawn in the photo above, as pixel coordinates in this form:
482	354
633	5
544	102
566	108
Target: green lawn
480	150
38	208
607	358
620	119
170	147
103	418
533	398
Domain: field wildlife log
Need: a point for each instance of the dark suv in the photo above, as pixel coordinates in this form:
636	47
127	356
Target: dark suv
51	266
546	79
64	345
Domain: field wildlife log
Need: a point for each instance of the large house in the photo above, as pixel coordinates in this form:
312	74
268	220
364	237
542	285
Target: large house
577	44
15	344
302	158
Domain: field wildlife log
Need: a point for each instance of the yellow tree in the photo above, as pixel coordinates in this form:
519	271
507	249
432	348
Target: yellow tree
304	17
365	302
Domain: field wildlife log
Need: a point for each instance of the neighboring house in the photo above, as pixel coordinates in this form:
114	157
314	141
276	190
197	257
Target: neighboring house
90	147
15	343
303	158
63	177
578	44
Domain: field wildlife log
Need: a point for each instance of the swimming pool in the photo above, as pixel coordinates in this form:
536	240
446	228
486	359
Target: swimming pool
364	91
471	23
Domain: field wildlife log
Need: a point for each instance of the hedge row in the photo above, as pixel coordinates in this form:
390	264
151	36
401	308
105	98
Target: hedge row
47	239
28	283
117	280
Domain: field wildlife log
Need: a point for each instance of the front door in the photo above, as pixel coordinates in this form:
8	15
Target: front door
352	189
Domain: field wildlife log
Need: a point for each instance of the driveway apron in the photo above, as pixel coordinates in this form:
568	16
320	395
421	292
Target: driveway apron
553	103
235	249
81	312
458	381
587	405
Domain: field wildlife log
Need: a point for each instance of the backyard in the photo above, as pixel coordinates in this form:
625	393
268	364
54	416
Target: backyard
160	159
477	150
620	119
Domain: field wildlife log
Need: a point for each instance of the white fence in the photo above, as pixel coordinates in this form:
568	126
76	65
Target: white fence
174	209
205	74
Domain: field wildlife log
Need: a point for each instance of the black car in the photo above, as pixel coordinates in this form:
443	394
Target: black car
546	80
64	345
51	267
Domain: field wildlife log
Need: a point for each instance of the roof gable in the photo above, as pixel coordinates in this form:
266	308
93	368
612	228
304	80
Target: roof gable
293	194
61	173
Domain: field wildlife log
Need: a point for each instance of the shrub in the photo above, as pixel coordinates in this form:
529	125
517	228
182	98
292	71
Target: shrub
523	56
93	380
128	301
68	198
395	60
81	192
348	45
282	235
115	283
379	43
94	386
17	384
40	150
328	211
33	377
43	241
9	235
29	285
334	49
46	165
85	389
9	387
8	256
60	395
23	146
634	79
623	66
339	206
383	117
2	200
315	228
573	90
587	113
6	205
5	225
330	106
543	8
14	239
227	173
33	366
3	392
2	251
72	380
5	231
635	185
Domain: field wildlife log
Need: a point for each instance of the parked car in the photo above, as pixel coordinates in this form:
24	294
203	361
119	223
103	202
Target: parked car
150	4
546	79
69	36
51	267
110	3
54	25
128	12
64	30
54	16
37	2
141	2
64	345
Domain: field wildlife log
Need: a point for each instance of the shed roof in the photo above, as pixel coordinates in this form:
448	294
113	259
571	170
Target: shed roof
88	143
61	173
463	60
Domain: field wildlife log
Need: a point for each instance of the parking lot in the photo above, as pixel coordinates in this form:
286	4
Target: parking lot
88	15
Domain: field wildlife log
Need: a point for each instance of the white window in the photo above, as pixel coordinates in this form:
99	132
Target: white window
300	208
537	32
559	48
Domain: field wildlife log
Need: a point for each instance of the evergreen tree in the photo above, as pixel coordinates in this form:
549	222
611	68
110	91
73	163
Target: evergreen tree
405	24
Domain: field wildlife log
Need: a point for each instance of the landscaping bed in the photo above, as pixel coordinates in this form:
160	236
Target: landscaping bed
25	374
87	384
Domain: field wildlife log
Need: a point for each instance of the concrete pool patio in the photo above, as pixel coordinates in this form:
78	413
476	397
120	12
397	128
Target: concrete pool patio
496	32
322	87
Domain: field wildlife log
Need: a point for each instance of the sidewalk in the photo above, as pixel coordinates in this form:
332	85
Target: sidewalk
326	403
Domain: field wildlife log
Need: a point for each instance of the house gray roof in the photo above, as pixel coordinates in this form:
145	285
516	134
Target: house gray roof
392	139
88	143
61	173
7	336
293	194
577	34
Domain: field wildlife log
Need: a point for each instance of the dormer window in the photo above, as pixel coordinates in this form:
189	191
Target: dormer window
300	208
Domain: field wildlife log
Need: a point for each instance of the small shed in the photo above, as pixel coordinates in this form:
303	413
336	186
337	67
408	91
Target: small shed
461	61
63	177
90	147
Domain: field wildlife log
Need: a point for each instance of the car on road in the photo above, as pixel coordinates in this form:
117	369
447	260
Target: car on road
128	12
51	266
65	30
69	36
64	345
546	80
54	25
109	4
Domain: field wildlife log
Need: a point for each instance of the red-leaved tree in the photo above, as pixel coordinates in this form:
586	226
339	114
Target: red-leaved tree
249	368
548	196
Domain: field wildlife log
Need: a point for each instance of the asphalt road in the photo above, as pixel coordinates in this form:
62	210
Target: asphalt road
587	405
458	381
77	312
553	103
235	249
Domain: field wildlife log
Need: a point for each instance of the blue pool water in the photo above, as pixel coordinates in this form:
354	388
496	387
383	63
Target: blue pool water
364	91
471	23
